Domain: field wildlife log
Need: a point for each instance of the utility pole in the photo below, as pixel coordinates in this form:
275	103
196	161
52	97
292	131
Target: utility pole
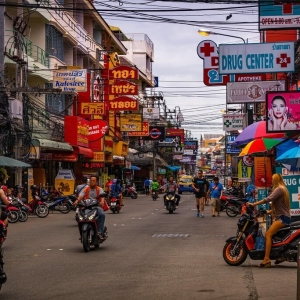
154	160
2	36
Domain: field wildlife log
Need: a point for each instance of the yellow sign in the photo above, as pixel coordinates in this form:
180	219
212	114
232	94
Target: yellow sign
98	157
93	108
65	182
131	122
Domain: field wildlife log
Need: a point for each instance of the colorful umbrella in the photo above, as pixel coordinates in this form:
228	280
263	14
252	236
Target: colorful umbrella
259	146
255	131
290	157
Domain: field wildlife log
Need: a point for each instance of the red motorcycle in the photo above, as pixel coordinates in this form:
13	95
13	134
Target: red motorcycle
130	191
115	204
284	246
3	234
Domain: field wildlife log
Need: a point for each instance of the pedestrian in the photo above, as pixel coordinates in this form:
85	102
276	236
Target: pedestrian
150	185
215	191
280	199
81	186
250	192
200	185
146	186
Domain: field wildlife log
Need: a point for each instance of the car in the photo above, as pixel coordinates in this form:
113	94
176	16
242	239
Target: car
185	184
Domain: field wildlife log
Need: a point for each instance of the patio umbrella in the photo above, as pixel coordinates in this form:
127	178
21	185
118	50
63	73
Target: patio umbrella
259	146
135	168
10	162
290	157
255	131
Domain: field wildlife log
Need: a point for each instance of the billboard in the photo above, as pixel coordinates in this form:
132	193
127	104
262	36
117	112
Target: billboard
257	58
233	122
156	133
131	122
144	132
283	111
278	14
151	113
250	92
70	80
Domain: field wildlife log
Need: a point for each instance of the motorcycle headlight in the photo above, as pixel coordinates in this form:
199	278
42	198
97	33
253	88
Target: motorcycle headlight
80	217
92	216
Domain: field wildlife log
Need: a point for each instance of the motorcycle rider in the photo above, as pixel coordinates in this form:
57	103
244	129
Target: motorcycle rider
116	191
155	187
3	201
108	184
171	187
93	191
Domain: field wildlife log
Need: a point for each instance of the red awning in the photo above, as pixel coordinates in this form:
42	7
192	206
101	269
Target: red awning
86	152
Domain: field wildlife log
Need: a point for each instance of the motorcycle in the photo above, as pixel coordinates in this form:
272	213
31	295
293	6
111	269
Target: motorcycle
130	191
284	242
23	210
12	213
232	205
3	234
154	195
170	202
115	204
60	203
88	225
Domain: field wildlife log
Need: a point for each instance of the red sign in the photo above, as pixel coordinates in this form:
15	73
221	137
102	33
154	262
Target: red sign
92	165
262	171
122	87
59	157
121	72
123	103
97	129
208	51
76	131
172	132
144	132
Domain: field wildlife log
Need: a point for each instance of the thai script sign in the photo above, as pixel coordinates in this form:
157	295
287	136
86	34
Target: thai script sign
151	113
242	92
122	87
70	80
144	132
123	103
257	58
131	122
232	122
278	14
98	157
76	131
208	51
59	157
92	108
172	132
121	72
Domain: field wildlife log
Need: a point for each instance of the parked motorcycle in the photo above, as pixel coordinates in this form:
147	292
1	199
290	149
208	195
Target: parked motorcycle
284	242
88	225
60	203
232	205
115	204
170	202
130	191
23	210
3	234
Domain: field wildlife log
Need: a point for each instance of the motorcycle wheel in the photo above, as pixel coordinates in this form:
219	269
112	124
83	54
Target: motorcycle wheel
85	240
42	211
133	196
240	256
114	211
13	216
232	211
65	208
23	215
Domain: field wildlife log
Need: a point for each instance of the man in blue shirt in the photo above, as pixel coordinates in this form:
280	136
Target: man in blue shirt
147	186
116	190
216	191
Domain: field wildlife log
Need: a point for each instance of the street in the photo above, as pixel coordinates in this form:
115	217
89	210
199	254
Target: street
149	254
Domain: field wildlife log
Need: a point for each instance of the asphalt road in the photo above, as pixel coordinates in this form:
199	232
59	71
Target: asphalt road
149	254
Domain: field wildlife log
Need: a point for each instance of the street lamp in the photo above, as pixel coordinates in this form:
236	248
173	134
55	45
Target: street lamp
207	33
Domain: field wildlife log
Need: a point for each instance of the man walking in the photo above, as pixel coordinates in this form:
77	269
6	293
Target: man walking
146	186
200	186
216	190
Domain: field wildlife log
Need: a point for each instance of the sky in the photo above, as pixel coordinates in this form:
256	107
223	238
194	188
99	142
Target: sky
176	63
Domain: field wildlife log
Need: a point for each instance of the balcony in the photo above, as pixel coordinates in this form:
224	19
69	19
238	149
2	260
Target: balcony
36	53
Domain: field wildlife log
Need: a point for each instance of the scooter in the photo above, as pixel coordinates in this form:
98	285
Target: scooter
284	243
23	210
3	234
88	225
130	191
154	195
170	202
115	204
60	203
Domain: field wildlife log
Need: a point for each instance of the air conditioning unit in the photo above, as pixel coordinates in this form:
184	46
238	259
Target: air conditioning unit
16	108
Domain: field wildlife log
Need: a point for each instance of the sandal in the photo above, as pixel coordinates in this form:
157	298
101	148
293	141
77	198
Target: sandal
266	265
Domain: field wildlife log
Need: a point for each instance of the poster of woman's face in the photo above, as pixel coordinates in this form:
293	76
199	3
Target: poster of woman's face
283	111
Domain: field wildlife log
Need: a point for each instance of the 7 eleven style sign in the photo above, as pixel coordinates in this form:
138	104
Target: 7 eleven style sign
233	122
278	14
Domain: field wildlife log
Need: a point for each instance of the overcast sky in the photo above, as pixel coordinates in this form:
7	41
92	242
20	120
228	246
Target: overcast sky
176	62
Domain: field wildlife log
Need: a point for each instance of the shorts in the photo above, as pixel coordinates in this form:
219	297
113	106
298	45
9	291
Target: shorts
215	202
3	215
199	195
284	219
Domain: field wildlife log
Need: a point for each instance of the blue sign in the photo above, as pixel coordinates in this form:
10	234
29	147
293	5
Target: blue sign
278	14
155	81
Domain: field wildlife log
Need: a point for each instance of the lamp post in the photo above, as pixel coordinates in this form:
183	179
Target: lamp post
207	33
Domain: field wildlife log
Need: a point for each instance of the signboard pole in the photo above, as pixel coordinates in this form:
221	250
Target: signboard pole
154	161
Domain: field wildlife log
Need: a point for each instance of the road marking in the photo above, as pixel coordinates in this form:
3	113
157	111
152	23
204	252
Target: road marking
169	235
49	249
60	249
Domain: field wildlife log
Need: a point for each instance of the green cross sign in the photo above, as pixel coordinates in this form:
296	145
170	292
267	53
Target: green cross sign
227	123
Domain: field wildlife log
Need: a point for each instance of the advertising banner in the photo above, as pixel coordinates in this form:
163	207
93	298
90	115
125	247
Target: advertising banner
208	51
123	103
151	113
92	108
76	131
177	156
131	122
262	172
144	132
243	92
257	58
292	182
233	122
283	111
173	132
70	80
278	14
156	133
123	87
244	172
65	182
121	72
97	129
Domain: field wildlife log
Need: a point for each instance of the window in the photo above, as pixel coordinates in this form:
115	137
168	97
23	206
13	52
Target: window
54	42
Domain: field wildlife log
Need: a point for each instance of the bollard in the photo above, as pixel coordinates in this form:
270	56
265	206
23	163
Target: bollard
298	273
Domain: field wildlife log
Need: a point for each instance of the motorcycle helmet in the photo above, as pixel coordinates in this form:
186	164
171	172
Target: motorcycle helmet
4	188
115	181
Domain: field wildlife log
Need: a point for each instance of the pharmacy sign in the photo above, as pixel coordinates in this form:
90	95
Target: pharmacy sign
232	122
257	58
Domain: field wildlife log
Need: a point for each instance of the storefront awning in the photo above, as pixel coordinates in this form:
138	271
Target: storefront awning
86	152
52	145
118	157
